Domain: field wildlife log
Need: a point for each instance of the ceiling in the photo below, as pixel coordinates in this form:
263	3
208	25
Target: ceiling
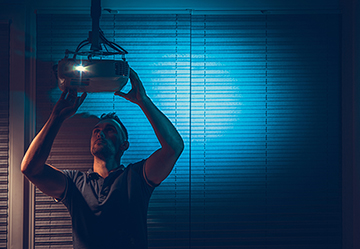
215	5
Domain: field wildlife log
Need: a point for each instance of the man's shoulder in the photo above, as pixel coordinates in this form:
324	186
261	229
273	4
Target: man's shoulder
137	167
73	174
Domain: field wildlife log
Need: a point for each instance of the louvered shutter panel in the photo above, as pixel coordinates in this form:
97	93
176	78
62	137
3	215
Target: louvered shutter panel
4	129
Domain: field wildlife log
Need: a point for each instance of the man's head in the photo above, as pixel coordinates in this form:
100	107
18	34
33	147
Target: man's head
112	115
109	138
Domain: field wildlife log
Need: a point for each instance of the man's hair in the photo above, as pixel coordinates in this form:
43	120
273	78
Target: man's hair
112	115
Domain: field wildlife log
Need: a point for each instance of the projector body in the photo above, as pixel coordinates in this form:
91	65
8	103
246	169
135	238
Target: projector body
93	75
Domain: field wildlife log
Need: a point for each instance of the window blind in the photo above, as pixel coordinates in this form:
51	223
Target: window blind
256	99
265	96
4	130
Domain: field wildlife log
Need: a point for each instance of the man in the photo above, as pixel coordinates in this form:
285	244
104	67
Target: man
108	204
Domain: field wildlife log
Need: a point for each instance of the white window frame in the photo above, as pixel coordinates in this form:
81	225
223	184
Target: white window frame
21	121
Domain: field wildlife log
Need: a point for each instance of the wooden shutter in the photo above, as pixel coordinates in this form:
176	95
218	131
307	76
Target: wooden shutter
4	130
256	99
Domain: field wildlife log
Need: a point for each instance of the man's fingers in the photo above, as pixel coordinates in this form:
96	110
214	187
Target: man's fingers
79	100
63	94
82	98
134	77
132	71
121	94
72	94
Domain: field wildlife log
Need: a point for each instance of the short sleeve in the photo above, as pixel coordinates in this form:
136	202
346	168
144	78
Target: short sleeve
70	177
150	183
64	195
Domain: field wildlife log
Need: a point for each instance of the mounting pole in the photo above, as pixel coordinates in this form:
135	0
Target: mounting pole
95	16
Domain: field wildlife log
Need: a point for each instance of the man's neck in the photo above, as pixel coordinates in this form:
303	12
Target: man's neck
103	167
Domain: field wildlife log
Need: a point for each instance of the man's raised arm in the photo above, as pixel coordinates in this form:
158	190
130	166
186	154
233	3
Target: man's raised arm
159	165
47	178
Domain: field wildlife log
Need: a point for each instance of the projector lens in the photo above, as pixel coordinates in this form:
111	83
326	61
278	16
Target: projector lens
80	68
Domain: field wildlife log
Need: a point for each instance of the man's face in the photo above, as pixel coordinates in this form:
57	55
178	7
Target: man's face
106	139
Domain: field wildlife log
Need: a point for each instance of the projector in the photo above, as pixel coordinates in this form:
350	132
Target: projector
92	75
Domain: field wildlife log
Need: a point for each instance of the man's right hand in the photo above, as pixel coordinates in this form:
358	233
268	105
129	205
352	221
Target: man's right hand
47	178
68	104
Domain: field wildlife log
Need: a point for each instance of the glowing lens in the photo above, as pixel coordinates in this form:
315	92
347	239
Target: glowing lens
80	68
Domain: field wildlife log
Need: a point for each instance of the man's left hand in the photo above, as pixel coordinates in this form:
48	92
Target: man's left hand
137	94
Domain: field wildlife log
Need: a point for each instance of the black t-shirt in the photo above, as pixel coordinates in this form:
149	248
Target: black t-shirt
109	213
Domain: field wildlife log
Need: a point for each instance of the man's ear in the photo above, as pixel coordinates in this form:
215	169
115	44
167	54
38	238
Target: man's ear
124	146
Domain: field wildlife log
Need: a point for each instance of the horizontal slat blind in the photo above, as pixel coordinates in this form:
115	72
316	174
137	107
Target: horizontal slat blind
4	130
256	100
228	185
265	132
303	129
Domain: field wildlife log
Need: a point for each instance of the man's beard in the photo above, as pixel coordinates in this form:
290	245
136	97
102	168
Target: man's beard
102	151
